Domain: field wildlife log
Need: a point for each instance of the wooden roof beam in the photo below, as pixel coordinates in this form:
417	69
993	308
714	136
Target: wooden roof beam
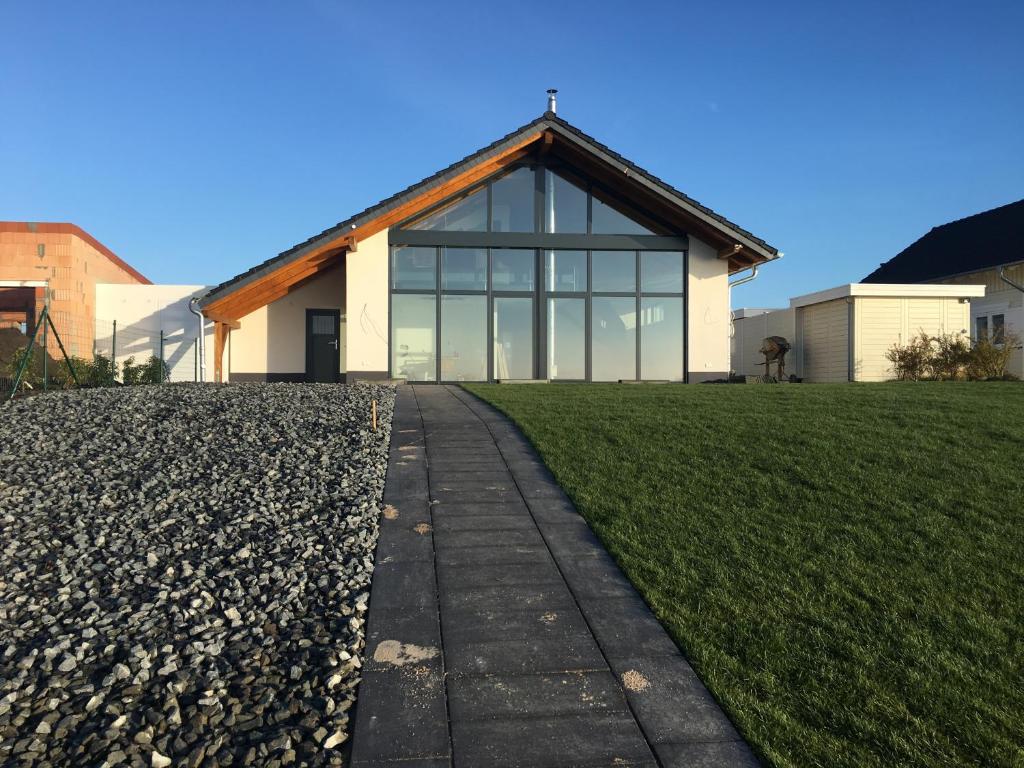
730	251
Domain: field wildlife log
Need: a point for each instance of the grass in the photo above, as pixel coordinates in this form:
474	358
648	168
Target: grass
843	565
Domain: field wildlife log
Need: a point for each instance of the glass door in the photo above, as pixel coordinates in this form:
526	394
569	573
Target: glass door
513	337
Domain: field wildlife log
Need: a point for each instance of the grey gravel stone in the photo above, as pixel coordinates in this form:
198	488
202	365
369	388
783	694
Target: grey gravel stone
184	572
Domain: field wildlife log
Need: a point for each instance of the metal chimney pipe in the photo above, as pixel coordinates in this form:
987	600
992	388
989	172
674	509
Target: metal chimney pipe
552	103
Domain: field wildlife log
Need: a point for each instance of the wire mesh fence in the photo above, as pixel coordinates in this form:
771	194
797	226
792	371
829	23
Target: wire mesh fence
115	353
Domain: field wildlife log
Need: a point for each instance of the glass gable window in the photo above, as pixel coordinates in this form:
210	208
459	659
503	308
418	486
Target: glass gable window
466	214
613	271
512	202
565	271
661	271
512	269
464	269
565	205
610	218
413	346
613	338
414	268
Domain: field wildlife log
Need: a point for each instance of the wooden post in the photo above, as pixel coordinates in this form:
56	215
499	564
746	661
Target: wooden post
373	408
220	335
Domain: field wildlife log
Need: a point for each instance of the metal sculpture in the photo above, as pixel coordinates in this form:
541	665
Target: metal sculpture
774	348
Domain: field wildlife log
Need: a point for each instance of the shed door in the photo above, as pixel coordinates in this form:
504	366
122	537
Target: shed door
323	357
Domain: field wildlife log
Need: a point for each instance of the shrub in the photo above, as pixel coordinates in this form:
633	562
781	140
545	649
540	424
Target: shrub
32	376
63	372
910	361
100	373
950	356
131	373
989	358
154	371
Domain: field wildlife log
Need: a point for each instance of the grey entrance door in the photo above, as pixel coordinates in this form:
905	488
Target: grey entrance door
323	359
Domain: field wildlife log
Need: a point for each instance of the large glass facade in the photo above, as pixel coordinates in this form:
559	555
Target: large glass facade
496	301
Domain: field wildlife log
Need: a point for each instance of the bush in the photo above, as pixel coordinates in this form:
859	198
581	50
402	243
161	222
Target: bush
32	376
951	357
131	373
910	361
989	359
63	372
154	371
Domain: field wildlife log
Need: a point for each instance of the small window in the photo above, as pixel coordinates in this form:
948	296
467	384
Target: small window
466	214
464	269
512	269
414	268
565	271
613	271
998	328
512	202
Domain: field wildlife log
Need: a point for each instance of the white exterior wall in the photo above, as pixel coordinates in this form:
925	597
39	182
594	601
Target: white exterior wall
141	312
999	298
881	321
708	314
750	332
823	341
367	301
271	342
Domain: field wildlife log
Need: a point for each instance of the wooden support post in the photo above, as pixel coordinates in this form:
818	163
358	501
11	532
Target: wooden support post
220	336
373	408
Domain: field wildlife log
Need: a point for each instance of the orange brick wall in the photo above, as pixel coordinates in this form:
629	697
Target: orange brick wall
73	263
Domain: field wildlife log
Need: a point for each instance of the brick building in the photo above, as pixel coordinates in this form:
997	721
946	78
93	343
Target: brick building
69	262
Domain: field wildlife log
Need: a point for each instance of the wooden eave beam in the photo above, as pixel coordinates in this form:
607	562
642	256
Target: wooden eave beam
730	251
217	317
230	305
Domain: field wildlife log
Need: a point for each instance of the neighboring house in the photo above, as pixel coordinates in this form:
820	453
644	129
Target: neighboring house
64	261
986	249
545	255
843	334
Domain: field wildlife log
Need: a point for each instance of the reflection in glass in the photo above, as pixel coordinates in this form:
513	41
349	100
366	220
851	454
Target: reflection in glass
467	214
565	271
464	269
613	271
661	339
613	339
608	218
567	339
661	271
463	338
512	269
414	267
565	205
413	319
512	196
513	338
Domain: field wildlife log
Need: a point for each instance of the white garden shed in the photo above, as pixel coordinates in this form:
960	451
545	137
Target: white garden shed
843	333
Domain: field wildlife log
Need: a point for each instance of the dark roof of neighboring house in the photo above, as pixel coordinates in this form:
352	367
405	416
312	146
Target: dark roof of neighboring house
981	241
547	121
62	228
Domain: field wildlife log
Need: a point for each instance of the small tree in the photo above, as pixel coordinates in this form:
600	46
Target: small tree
950	356
102	372
989	357
910	361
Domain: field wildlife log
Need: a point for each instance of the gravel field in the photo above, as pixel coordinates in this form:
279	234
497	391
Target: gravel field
184	572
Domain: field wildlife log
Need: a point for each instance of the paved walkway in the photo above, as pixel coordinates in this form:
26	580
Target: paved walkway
501	633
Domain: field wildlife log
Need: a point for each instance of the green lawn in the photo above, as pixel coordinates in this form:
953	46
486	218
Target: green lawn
843	565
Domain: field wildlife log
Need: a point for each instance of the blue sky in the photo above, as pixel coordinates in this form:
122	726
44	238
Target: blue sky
197	139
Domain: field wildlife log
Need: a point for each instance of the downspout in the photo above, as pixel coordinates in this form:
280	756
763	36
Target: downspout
1008	281
747	279
193	308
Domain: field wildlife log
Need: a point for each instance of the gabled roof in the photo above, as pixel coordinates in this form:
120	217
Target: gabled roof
744	248
981	241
